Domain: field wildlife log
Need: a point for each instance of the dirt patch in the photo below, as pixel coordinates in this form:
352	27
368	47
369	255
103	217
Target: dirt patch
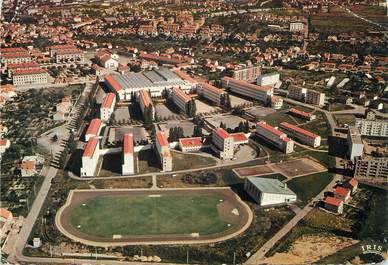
298	167
254	171
228	212
311	248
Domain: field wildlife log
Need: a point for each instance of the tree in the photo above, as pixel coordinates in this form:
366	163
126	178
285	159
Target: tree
223	125
197	132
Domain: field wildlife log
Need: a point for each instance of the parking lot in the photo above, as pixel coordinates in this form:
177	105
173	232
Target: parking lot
237	101
187	126
122	114
260	111
139	134
229	120
164	113
202	107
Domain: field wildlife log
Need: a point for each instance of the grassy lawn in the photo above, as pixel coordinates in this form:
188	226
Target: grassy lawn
349	119
339	106
147	161
320	127
184	161
278	117
308	187
143	215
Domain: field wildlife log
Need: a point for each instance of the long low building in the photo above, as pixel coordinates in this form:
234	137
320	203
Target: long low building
108	106
260	93
277	138
302	114
266	191
304	136
146	105
30	76
156	81
94	129
192	144
128	162
210	92
163	151
90	157
180	98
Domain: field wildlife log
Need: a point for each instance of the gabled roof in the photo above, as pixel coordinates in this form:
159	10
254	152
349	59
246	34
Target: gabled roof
353	182
221	133
291	127
239	137
343	192
269	128
161	139
108	101
113	83
333	201
128	143
191	142
90	147
94	127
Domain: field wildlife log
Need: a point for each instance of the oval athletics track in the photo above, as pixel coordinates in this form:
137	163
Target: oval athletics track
226	211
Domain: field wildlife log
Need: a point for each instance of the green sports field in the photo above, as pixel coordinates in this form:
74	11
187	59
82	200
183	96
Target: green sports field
143	215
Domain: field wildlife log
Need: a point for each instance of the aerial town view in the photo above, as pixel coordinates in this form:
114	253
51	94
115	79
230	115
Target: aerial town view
220	132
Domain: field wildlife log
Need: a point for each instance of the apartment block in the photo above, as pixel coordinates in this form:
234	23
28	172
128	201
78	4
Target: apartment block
296	92
14	56
146	102
108	106
277	138
163	151
376	128
90	157
128	161
210	92
371	167
248	73
66	53
315	97
180	98
355	144
261	93
302	135
269	79
222	143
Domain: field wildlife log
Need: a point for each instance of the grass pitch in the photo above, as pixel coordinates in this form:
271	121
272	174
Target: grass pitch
149	215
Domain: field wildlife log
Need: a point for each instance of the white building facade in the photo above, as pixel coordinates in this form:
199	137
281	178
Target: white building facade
128	167
304	136
108	106
90	157
277	138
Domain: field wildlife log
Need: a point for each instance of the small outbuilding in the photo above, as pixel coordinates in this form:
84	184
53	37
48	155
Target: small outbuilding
334	205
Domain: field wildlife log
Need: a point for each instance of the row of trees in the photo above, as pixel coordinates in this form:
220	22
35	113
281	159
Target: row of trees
243	126
191	108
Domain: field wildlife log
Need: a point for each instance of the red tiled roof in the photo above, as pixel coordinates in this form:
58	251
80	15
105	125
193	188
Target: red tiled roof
184	76
212	88
113	83
108	101
29	71
22	65
353	182
270	129
94	127
90	147
181	94
221	133
291	127
4	213
145	97
161	139
8	50
3	141
191	142
342	191
239	137
28	165
128	143
333	201
301	113
16	55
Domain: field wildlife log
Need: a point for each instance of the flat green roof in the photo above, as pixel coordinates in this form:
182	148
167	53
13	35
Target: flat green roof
267	185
